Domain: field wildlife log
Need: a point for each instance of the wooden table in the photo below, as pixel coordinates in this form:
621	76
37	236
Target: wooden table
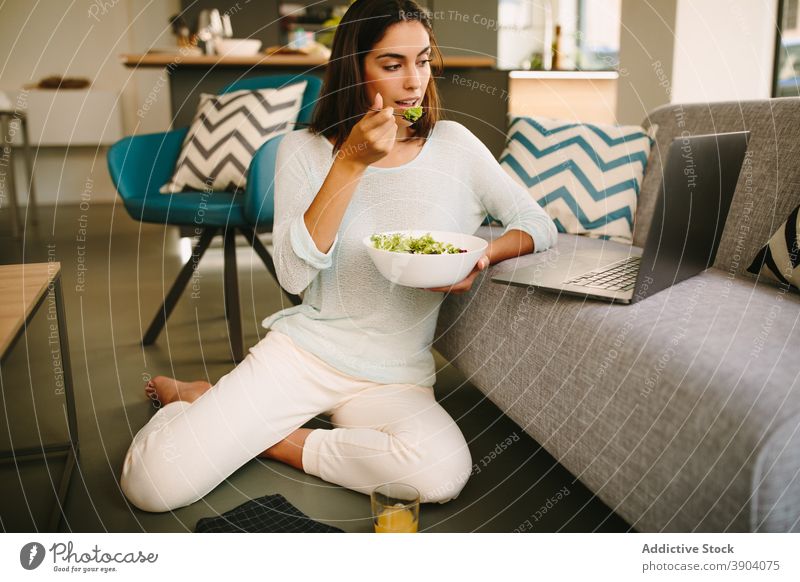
23	290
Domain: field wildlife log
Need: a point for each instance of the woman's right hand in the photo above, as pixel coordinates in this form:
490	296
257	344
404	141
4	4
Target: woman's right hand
372	138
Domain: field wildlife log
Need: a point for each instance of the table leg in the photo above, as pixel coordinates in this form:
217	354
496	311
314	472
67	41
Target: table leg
65	362
72	421
11	186
231	295
32	207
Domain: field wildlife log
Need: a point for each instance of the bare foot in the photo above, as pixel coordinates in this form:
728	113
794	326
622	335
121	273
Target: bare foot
163	390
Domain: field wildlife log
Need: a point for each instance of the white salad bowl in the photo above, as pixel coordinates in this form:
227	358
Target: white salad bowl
426	271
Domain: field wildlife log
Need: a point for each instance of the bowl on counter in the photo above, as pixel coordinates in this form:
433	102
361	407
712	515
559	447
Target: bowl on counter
237	47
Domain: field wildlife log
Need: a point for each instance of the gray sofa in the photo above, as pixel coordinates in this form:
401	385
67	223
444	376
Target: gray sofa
681	412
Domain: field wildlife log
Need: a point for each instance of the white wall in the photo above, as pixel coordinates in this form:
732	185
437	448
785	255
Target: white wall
647	43
724	50
684	51
84	39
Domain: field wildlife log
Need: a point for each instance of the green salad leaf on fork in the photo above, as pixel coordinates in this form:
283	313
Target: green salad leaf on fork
423	245
412	114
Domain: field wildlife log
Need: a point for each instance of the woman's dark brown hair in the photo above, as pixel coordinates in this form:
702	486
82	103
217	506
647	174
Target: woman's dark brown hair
343	99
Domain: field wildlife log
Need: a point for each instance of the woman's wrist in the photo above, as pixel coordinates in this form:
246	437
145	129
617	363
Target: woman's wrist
348	157
514	243
489	254
350	164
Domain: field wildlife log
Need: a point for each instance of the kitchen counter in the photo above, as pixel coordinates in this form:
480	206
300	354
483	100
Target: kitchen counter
472	90
580	96
566	75
173	59
189	75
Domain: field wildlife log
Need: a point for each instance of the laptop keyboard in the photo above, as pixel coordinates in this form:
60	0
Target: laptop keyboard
619	276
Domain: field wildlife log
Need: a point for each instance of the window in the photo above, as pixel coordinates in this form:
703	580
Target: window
790	20
598	32
588	38
787	59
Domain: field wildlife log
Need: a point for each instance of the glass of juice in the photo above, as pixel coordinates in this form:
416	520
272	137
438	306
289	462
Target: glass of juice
395	508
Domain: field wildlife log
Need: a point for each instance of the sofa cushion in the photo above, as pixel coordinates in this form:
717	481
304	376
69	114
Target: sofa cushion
779	259
769	183
673	410
226	132
586	176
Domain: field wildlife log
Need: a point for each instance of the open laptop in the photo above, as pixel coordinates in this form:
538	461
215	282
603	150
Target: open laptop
696	191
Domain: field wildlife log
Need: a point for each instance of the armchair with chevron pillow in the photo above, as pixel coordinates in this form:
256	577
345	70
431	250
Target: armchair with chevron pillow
587	177
226	133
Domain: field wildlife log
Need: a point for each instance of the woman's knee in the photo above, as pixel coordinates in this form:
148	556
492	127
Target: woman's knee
444	474
149	478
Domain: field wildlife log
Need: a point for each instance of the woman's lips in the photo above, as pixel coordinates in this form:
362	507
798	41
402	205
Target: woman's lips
409	103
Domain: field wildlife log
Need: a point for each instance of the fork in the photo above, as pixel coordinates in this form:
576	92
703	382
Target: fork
398	114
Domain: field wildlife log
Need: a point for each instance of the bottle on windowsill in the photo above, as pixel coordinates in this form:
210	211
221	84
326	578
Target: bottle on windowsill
556	48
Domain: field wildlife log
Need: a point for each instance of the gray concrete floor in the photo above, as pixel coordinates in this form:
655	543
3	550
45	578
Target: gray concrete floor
128	267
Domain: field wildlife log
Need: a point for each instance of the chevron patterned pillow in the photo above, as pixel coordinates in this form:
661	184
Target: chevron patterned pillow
779	260
586	176
227	131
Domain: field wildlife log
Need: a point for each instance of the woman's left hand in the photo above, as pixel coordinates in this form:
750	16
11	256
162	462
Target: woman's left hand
466	284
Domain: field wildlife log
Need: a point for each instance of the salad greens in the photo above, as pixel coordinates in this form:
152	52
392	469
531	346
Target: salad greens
412	114
423	245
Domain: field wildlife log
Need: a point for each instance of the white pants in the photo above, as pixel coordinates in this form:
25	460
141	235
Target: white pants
383	432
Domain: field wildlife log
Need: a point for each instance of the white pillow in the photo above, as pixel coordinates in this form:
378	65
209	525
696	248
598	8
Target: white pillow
586	177
779	259
227	131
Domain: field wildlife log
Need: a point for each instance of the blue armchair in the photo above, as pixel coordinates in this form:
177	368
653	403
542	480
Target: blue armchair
140	165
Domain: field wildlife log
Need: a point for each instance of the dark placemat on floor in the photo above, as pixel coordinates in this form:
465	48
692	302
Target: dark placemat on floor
268	514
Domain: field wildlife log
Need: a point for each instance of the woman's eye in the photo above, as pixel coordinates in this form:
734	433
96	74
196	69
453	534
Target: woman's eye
396	67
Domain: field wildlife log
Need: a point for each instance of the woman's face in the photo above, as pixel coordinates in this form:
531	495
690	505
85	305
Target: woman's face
398	66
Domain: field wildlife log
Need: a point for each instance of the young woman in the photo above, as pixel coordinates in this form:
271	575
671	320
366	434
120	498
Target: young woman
359	347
